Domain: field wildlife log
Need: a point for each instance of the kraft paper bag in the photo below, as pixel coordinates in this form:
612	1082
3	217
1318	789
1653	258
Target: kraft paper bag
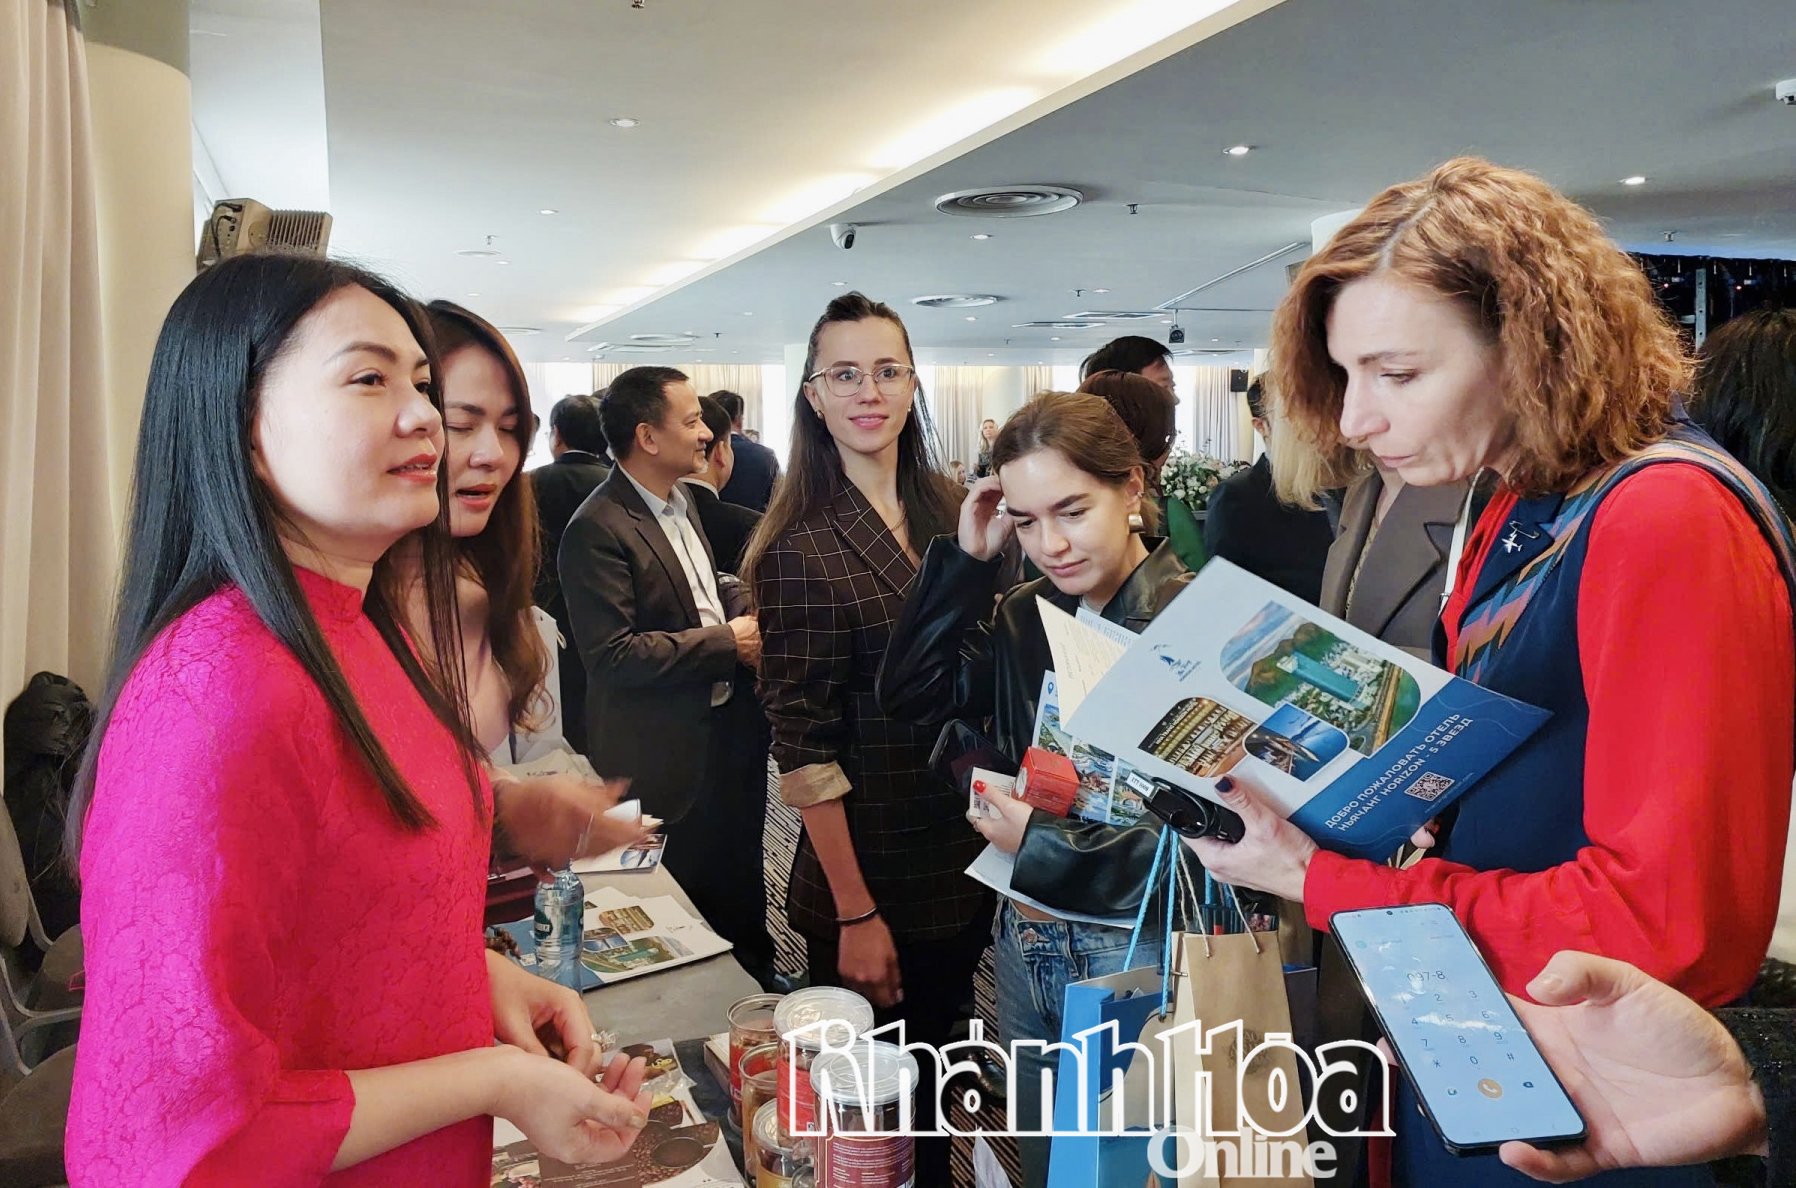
1222	980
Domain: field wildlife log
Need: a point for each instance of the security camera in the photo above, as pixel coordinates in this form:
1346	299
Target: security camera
843	234
1176	336
1786	92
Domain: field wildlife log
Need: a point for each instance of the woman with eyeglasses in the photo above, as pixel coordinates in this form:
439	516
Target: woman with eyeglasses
877	888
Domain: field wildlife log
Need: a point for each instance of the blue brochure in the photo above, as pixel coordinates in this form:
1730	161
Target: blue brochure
1359	742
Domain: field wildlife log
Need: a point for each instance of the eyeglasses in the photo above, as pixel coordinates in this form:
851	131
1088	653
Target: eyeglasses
892	379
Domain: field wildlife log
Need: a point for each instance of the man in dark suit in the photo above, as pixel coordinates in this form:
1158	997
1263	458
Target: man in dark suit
578	464
757	467
727	525
1247	524
665	651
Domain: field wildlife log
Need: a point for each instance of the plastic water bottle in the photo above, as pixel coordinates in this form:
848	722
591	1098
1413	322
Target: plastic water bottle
557	927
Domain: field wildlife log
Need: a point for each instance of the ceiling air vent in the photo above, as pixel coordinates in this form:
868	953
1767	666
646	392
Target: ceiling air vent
1116	315
1009	202
629	348
663	340
954	300
1055	325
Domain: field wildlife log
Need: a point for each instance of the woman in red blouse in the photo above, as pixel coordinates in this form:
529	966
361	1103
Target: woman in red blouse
1628	576
281	825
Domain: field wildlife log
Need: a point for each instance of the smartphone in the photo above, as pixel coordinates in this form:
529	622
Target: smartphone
959	749
1480	1079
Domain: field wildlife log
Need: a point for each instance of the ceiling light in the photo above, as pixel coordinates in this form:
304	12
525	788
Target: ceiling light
1166	321
1100	290
994	354
623	121
477	252
1239	150
1054	338
972	318
473	294
1637	180
839	284
501	261
548	210
982	235
748	313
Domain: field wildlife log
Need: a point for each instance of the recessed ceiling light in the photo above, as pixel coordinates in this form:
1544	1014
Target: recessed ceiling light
994	354
623	121
1053	338
1100	290
1239	150
473	294
1216	340
748	313
1638	179
982	235
501	261
548	210
477	252
972	318
839	284
1166	321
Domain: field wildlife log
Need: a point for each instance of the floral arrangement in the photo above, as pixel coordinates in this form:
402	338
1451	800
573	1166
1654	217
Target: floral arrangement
1190	478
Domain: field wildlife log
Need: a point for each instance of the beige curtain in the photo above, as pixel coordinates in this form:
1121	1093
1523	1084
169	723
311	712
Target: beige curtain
58	527
1221	426
1036	380
744	379
604	373
956	404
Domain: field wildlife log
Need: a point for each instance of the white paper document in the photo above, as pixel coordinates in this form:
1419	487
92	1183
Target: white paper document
1082	654
995	869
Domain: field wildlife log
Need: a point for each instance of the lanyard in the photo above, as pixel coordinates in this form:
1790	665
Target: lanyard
1457	552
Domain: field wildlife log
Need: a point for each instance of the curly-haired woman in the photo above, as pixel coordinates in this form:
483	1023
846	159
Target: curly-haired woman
1628	575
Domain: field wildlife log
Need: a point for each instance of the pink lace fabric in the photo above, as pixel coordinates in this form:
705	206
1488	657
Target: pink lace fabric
256	922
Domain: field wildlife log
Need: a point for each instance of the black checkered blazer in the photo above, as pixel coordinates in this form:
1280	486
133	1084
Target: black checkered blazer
828	592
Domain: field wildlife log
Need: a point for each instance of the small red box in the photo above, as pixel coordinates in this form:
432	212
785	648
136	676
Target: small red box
1047	781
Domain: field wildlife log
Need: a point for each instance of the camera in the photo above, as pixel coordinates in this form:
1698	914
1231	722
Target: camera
1786	92
1176	336
843	234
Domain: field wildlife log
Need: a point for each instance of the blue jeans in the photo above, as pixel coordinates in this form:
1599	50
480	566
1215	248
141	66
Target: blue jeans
1034	960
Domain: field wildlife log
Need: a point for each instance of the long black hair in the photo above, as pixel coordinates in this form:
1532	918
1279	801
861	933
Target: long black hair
1746	396
931	500
505	555
201	520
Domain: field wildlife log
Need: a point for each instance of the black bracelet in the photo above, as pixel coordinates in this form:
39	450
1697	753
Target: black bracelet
860	919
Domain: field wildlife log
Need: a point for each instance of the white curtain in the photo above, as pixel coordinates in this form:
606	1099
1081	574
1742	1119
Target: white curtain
955	397
58	523
744	379
1219	422
1036	380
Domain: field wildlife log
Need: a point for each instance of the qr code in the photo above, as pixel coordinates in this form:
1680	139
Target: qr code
1429	786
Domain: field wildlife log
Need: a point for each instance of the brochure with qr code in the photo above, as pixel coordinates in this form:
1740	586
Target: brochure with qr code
1358	742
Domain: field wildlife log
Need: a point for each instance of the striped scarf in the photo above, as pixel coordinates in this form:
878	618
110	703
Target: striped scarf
1489	625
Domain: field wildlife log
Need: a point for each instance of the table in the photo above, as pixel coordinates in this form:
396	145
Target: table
693	1000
